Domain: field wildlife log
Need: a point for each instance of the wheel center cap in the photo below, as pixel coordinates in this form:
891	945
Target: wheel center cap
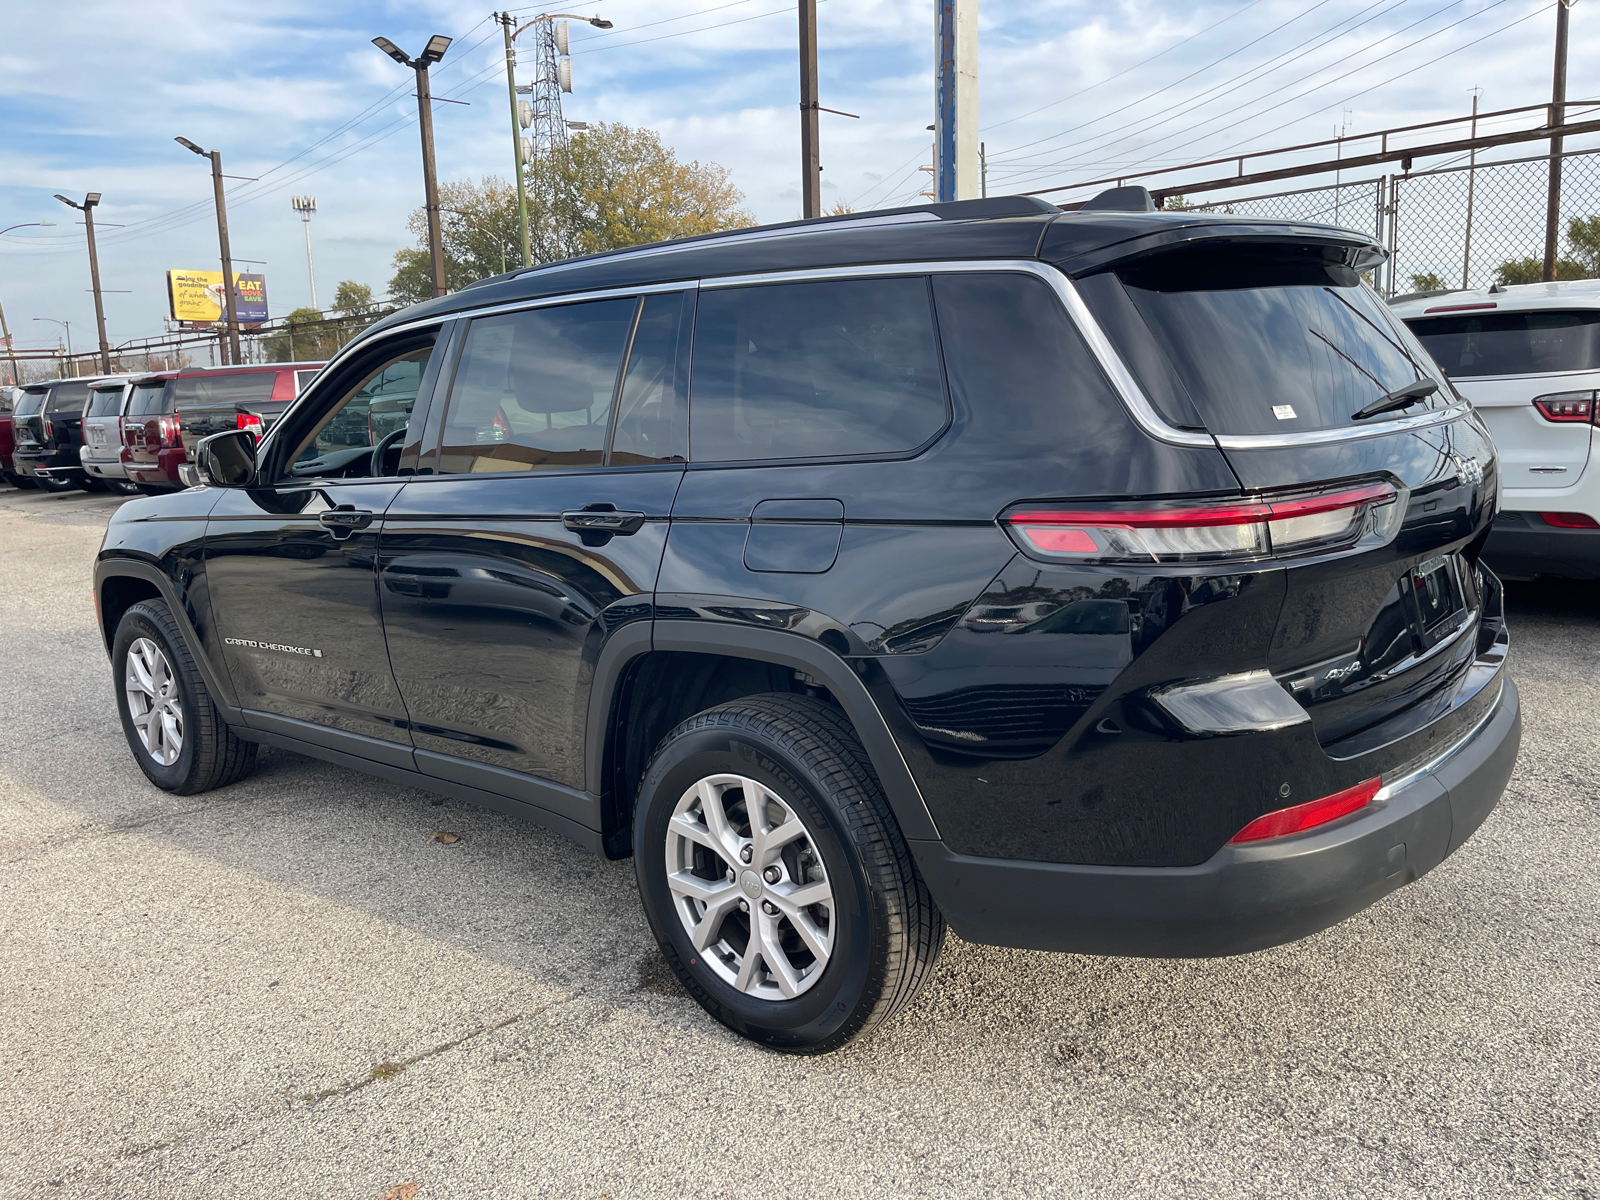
750	884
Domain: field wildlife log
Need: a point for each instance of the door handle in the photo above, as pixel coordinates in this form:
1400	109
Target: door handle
345	520
591	521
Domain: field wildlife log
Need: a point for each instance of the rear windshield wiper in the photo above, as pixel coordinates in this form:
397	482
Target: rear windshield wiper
1403	397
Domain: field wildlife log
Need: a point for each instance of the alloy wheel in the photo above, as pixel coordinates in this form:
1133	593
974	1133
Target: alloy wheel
749	884
154	702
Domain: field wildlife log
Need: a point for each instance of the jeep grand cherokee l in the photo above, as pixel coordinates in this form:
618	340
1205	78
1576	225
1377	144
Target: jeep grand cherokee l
1102	581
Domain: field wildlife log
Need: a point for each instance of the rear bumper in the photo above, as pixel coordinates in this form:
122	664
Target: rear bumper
164	470
104	468
1246	897
1521	544
58	464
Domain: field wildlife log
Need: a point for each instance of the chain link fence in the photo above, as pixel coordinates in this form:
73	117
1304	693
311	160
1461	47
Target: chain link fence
1469	225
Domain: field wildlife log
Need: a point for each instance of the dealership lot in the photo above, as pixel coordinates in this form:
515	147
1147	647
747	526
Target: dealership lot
287	988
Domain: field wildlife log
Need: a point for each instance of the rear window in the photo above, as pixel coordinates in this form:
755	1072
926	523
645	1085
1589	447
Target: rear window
1264	340
814	370
104	402
29	403
201	391
151	399
1525	343
67	398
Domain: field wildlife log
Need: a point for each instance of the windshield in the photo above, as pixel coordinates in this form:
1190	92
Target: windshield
1262	340
151	399
104	402
1525	343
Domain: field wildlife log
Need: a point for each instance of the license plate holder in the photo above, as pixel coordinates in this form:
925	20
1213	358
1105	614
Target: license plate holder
1437	597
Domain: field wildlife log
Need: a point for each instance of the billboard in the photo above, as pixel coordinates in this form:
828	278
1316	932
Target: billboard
195	297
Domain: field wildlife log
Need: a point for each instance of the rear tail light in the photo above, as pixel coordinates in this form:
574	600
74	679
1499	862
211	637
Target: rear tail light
167	430
1191	532
1284	821
1570	520
49	429
250	421
1569	407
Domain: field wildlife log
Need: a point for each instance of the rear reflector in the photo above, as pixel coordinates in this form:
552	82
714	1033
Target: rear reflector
1284	821
1574	407
1189	532
1570	520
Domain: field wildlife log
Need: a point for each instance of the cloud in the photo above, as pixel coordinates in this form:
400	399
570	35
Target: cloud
296	95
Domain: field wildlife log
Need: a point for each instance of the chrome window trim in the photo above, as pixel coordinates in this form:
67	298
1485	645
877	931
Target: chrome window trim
1135	402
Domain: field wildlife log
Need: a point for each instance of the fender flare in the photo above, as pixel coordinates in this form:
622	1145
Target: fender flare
763	645
117	566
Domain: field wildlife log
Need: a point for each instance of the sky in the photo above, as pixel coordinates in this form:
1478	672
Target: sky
296	97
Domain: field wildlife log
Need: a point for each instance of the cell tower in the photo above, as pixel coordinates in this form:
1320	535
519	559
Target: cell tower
540	114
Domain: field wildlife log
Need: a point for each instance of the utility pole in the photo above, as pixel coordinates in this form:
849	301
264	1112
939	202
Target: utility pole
431	54
87	209
230	306
305	206
1558	117
810	154
1472	182
955	88
506	22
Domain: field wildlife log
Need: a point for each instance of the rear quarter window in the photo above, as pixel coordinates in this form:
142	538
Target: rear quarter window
1512	343
830	369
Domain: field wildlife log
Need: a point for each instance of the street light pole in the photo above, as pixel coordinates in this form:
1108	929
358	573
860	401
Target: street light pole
87	209
305	206
5	330
230	308
67	325
431	53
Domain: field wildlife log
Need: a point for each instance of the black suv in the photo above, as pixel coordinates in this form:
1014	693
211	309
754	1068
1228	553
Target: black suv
1102	581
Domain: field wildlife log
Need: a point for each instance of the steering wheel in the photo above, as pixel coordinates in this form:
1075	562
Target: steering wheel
375	469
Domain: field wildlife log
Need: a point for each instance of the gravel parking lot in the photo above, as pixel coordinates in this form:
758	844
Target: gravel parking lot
287	989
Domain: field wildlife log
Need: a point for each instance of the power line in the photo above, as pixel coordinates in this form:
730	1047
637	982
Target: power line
1272	98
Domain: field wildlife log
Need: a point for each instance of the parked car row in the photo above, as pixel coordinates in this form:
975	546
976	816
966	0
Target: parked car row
132	432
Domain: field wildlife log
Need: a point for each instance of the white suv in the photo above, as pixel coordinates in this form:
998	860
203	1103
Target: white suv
1528	357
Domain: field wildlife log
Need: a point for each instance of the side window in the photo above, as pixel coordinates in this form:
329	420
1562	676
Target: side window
374	411
651	414
815	370
302	379
533	389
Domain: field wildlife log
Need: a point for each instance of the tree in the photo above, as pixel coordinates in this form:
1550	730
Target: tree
839	209
308	337
1428	281
353	299
1531	270
613	186
1583	243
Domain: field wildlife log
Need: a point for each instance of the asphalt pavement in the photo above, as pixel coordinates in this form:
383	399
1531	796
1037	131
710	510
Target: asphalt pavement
286	989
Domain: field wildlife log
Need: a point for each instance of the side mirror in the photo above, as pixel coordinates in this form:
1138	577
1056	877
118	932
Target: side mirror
228	459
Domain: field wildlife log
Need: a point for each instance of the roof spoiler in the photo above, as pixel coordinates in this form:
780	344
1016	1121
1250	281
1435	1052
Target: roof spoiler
1121	199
